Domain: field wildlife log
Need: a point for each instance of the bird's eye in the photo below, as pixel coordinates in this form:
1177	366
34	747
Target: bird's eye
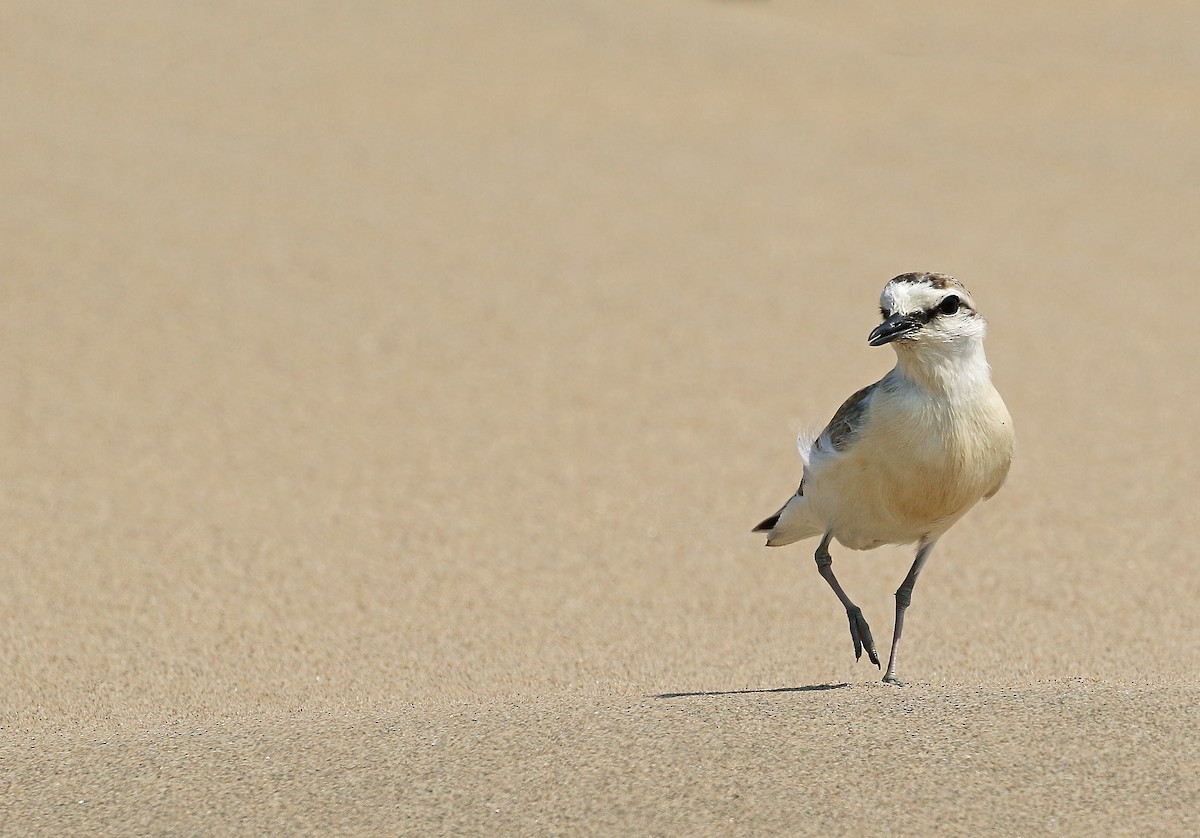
949	305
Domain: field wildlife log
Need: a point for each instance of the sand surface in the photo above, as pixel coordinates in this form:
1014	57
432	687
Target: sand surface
387	391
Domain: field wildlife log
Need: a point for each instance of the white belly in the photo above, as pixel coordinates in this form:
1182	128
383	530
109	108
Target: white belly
914	470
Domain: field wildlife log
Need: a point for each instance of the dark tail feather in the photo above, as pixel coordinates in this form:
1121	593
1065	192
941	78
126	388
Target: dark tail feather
768	524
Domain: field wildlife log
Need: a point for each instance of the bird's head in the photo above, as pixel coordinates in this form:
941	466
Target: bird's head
928	312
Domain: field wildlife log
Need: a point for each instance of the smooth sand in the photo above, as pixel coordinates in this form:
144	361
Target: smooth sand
388	393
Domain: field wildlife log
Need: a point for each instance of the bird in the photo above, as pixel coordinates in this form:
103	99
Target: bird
905	458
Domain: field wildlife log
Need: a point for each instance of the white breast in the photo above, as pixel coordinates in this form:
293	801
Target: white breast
918	464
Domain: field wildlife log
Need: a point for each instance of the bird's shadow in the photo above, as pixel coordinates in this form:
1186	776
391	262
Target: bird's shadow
805	689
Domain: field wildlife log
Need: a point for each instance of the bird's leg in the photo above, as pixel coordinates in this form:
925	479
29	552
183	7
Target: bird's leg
903	598
859	630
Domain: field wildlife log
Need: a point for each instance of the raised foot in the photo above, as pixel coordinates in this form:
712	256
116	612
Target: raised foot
861	634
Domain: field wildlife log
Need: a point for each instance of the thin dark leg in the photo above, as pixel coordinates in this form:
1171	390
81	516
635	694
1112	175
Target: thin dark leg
903	598
860	632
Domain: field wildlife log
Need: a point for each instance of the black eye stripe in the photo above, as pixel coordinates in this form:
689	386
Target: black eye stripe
925	315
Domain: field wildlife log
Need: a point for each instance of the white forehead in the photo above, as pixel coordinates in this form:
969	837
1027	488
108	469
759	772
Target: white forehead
907	297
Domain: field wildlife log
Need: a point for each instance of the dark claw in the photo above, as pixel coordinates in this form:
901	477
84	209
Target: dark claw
861	633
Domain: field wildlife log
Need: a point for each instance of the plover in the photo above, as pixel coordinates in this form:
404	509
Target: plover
905	458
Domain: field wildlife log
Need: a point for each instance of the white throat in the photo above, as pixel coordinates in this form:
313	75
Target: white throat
944	367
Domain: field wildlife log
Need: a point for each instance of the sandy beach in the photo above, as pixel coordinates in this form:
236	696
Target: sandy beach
388	391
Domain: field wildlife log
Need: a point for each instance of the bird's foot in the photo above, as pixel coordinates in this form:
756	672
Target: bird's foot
891	678
861	633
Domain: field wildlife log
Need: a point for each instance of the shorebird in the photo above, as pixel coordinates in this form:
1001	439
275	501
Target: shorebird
905	458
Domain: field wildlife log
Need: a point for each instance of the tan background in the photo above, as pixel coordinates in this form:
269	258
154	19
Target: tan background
387	391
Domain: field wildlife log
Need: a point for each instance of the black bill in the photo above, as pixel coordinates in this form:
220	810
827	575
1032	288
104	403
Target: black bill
896	326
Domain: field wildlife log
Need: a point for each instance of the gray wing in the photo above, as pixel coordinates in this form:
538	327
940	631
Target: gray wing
845	424
838	434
